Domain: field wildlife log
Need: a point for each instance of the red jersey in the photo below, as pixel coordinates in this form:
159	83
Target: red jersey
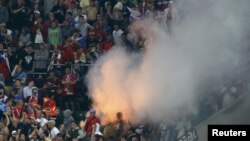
18	112
49	105
107	45
68	89
52	81
89	124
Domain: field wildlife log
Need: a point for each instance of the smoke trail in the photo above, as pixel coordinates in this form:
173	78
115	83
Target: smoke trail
204	46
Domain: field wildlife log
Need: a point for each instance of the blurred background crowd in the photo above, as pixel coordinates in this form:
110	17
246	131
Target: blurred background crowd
46	49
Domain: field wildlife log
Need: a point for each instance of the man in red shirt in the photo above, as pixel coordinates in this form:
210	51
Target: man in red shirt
68	82
90	122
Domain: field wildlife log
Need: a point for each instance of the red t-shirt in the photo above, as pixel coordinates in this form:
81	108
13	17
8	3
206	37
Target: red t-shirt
107	45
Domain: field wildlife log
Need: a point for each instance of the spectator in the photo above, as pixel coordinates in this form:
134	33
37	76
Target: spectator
53	130
107	44
70	19
4	68
60	11
20	14
38	32
18	86
4	13
41	58
4	128
79	39
80	57
83	26
126	44
117	33
27	60
20	51
67	30
25	36
3	97
72	9
52	80
54	34
47	25
68	118
91	13
6	35
18	73
49	106
48	5
84	3
68	82
12	58
27	91
55	61
90	122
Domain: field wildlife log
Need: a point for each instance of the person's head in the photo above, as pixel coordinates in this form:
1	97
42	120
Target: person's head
61	2
37	14
51	124
123	37
35	92
135	138
42	46
31	83
29	49
119	115
18	82
14	134
66	23
22	137
92	113
67	71
52	74
116	27
8	103
81	19
58	111
73	125
51	16
20	43
53	24
72	5
20	2
18	69
69	15
92	3
9	49
59	90
36	6
25	30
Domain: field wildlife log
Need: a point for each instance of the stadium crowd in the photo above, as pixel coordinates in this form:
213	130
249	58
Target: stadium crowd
46	47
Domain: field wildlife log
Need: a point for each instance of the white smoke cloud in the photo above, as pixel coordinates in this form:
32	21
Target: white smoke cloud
204	46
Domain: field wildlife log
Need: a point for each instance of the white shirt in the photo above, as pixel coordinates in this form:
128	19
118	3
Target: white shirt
118	6
83	28
117	37
54	131
27	91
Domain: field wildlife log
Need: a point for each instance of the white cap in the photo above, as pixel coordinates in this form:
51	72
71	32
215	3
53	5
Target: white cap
37	12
